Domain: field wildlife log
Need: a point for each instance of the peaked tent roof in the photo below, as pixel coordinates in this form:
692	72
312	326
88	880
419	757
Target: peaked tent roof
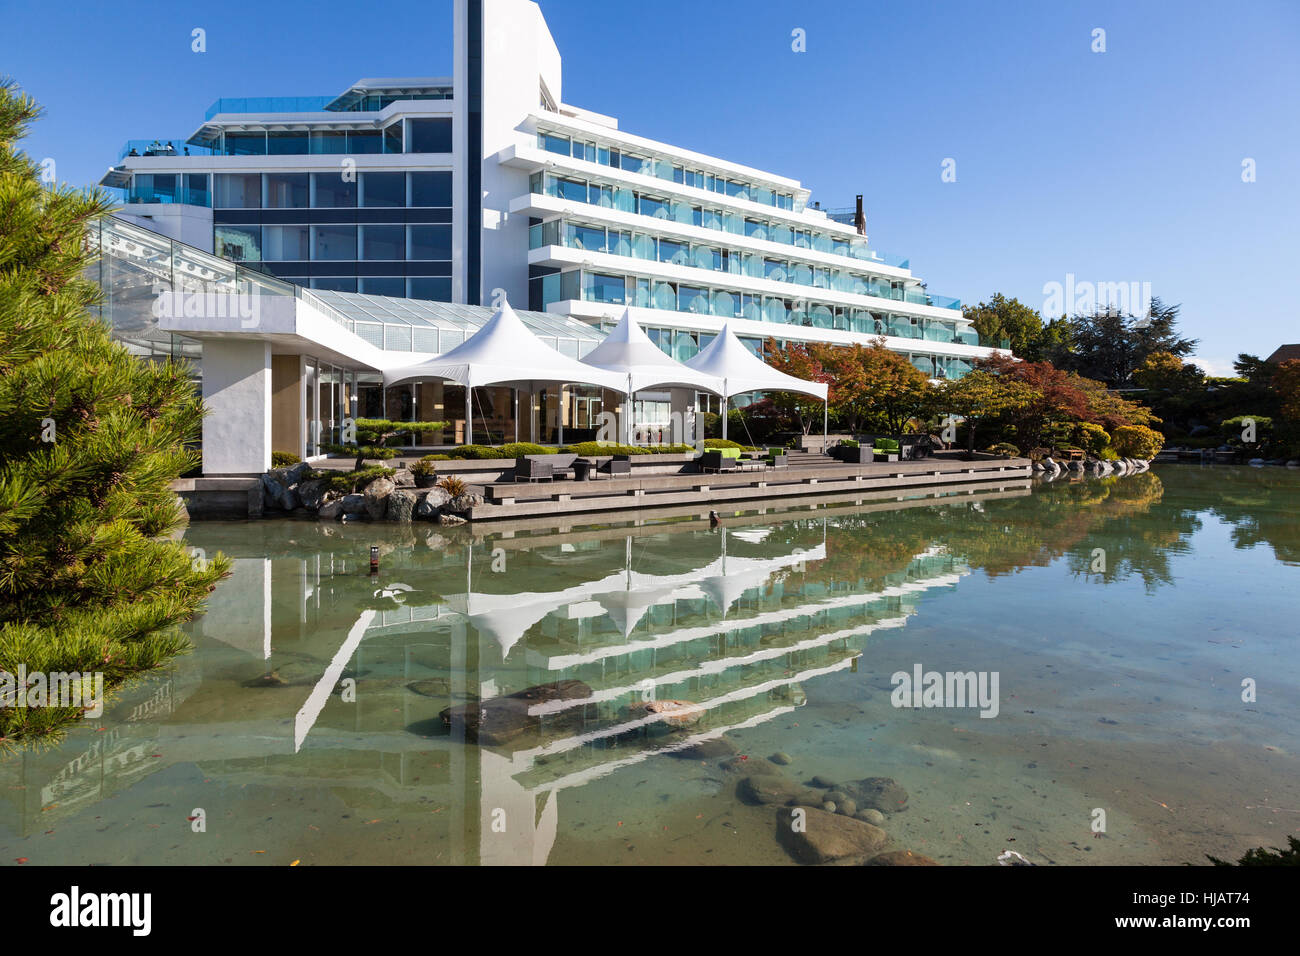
505	351
741	371
629	351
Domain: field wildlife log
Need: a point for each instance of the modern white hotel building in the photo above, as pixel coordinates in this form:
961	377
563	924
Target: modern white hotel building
402	209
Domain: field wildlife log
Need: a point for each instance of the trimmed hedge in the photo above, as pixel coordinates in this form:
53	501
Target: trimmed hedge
346	482
284	459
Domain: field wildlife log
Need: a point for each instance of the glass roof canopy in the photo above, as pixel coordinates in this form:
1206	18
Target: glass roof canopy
135	264
420	325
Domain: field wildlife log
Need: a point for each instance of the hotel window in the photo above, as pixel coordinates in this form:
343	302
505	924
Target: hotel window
664	296
676	253
286	243
574	190
334	192
429	242
383	242
365	141
431	189
393	137
589	238
383	189
436	288
240	243
331	141
384	285
287	190
429	136
245	144
334	242
286	143
693	299
599	287
335	284
238	191
554	143
653	207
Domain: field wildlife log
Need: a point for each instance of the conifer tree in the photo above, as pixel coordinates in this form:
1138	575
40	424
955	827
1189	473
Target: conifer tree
90	440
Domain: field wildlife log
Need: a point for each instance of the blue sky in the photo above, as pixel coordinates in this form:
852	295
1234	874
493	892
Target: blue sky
1122	166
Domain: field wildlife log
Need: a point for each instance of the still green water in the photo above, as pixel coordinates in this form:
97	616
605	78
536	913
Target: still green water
1121	617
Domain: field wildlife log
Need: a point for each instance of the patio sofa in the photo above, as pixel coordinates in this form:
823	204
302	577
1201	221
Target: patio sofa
544	467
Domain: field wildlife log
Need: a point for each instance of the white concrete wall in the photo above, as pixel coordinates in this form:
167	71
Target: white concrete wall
518	55
237	393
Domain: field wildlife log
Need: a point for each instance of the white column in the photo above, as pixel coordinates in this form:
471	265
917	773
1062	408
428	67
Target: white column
237	395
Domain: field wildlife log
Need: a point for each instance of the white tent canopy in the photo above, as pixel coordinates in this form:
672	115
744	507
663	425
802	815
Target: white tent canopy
742	371
629	351
505	352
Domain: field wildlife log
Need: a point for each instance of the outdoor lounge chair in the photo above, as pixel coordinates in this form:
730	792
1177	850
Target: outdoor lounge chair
720	459
619	466
533	469
886	449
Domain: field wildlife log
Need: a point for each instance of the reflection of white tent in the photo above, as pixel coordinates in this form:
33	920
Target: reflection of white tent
505	352
628	351
741	371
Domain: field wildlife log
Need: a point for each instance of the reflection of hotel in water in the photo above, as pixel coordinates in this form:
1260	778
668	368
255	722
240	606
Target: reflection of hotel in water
736	620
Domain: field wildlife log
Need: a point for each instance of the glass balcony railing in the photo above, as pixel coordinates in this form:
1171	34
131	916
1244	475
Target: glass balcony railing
269	104
636	245
161	147
635	201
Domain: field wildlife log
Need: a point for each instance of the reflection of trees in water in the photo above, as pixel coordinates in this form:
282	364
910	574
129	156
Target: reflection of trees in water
1257	502
1064	519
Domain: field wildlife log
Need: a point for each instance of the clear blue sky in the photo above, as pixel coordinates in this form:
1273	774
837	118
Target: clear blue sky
1118	167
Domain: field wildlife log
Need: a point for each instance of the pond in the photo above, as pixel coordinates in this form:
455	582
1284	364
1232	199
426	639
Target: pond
1133	639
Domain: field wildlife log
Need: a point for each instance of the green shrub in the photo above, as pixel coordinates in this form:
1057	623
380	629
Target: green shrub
453	486
850	443
436	458
1004	448
1091	438
1137	441
423	468
347	482
478	452
284	459
1234	428
518	448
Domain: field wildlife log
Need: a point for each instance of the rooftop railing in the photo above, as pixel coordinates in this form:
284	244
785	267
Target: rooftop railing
269	104
161	147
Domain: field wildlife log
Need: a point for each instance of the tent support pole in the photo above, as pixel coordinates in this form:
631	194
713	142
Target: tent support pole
469	414
516	391
559	415
726	402
826	423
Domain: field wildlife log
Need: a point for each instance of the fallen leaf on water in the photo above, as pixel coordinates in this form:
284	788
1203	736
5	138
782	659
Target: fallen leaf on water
21	859
259	851
368	822
295	862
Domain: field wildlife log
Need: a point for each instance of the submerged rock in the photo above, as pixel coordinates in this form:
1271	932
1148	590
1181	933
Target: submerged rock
678	713
821	837
900	858
878	793
502	719
747	765
781	758
874	817
714	749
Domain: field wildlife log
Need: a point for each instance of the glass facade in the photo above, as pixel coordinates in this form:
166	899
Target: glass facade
384	232
625	199
717	258
620	157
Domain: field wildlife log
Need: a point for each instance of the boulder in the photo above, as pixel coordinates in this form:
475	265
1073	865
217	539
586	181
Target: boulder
874	817
821	837
401	506
278	493
750	766
330	510
461	504
314	493
431	504
376	494
354	504
447	520
900	858
402	478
